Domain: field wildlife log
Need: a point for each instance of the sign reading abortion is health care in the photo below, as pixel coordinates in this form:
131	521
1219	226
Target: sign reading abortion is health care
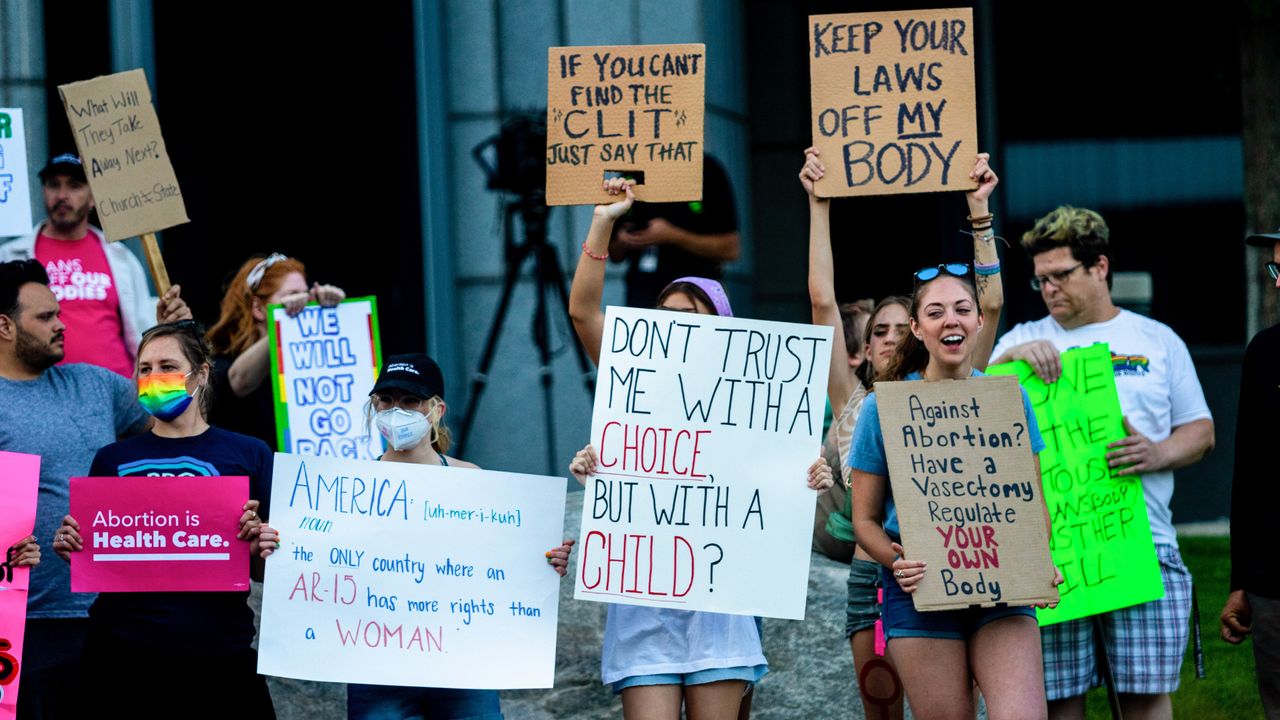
15	187
324	362
1101	538
419	575
18	490
968	497
160	534
705	428
893	101
634	111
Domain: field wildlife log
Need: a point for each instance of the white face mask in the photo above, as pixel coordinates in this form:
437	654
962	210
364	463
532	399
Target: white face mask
403	429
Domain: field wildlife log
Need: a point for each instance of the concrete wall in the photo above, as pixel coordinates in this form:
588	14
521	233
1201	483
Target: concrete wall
496	67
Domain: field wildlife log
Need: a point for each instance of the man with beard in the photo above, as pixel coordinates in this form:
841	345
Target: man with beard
63	413
100	285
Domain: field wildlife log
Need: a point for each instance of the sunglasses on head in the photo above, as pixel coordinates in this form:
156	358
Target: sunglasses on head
959	270
188	326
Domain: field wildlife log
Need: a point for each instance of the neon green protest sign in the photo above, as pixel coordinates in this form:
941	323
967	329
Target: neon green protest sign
1101	537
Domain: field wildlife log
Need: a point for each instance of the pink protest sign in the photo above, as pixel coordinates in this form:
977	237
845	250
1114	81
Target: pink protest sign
157	534
19	485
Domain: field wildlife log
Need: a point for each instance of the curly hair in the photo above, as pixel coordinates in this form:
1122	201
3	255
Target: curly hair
1082	230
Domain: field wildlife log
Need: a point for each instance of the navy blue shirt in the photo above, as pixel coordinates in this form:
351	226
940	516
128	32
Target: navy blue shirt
208	623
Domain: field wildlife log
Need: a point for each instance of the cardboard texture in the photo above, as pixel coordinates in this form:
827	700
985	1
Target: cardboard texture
15	185
893	101
625	109
1101	537
125	159
705	428
968	498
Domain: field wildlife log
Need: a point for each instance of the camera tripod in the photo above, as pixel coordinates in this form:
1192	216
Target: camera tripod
548	280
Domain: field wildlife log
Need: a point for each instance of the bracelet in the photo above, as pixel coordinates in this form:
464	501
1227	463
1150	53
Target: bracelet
592	255
982	228
982	218
992	269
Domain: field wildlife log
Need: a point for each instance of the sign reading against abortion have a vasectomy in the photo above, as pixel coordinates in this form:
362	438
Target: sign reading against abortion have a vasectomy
705	428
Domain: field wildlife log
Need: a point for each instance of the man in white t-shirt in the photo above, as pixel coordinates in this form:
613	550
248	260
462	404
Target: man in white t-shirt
1169	427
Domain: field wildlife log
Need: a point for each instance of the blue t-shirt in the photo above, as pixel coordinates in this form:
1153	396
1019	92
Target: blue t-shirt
868	448
207	623
63	416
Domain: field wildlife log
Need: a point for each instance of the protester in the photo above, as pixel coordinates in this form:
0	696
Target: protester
1253	607
63	413
407	406
940	654
665	241
241	355
100	285
659	659
194	646
881	691
1169	427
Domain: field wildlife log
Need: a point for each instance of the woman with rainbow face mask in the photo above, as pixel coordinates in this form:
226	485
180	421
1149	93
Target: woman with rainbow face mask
661	660
194	646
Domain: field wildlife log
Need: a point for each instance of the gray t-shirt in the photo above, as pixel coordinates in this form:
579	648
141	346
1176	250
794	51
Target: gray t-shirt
64	416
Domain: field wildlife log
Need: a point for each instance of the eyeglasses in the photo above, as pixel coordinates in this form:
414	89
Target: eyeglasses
383	401
254	278
1274	269
1057	278
959	270
187	326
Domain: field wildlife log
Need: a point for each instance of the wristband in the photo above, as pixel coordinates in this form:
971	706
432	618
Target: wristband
592	255
992	269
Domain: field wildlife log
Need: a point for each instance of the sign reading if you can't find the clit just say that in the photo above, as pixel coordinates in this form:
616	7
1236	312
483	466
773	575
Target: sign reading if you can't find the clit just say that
159	534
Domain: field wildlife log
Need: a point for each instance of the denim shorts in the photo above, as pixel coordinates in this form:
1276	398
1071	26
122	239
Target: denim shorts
750	674
901	619
391	702
864	607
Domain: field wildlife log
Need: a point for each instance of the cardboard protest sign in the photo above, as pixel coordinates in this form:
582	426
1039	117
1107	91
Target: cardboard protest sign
893	101
1101	537
15	186
125	159
705	427
629	110
968	498
19	486
324	362
160	534
419	575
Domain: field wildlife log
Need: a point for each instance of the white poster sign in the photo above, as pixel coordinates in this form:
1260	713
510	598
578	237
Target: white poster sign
705	428
324	362
15	186
415	575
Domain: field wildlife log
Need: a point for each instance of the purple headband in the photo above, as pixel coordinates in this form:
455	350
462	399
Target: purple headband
713	289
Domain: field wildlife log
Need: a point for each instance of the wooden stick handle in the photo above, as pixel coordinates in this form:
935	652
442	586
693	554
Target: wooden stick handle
155	261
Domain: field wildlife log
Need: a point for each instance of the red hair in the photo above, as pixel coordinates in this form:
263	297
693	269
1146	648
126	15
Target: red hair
236	328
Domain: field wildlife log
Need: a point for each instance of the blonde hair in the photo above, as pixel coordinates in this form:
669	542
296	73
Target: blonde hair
1082	230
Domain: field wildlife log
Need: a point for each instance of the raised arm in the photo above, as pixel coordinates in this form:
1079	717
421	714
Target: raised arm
822	283
588	280
986	262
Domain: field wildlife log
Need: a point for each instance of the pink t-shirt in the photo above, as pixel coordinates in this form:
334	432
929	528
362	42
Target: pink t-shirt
80	278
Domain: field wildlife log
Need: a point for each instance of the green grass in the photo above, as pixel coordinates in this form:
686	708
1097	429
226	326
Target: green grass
1229	689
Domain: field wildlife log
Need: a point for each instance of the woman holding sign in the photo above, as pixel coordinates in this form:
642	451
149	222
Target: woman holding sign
848	385
242	357
407	407
940	654
193	646
660	660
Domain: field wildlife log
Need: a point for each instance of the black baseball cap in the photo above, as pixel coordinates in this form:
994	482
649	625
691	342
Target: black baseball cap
1263	240
64	164
413	373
